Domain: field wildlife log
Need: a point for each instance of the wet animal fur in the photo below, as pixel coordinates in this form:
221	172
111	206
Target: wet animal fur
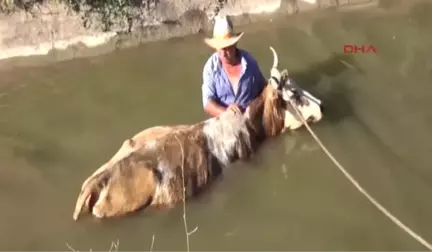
147	170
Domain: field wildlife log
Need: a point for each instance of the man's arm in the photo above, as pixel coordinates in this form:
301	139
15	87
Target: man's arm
213	109
209	94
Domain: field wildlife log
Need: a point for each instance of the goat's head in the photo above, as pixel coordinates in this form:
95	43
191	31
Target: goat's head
296	101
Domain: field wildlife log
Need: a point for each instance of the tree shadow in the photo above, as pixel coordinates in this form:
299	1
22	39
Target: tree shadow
336	96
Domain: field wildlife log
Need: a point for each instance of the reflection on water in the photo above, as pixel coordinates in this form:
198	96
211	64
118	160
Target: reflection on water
59	123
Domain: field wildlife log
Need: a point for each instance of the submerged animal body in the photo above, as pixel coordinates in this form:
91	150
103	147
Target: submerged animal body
156	165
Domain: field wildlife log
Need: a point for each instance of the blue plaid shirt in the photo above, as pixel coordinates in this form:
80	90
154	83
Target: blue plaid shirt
217	87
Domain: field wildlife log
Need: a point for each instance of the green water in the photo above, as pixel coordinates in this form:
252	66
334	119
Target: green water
59	123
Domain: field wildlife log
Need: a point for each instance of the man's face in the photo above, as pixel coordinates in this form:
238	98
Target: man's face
227	54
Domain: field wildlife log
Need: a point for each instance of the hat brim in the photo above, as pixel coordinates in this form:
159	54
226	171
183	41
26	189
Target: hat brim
217	43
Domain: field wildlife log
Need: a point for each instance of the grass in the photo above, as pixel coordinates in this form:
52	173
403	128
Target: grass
114	246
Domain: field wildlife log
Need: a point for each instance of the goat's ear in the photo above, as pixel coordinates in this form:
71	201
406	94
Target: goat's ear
283	77
284	74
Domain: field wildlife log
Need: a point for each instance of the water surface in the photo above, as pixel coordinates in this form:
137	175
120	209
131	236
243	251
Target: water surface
59	123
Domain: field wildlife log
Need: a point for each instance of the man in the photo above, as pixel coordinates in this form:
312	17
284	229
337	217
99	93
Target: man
231	76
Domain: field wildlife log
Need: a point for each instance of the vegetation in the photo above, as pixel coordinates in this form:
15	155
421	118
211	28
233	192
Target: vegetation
7	6
100	12
10	6
121	16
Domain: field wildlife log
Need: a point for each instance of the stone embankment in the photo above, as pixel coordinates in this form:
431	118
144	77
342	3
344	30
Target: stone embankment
35	27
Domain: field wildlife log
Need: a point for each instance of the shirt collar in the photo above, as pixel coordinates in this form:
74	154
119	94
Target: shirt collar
218	65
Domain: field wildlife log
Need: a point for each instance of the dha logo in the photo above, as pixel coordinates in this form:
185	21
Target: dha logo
349	49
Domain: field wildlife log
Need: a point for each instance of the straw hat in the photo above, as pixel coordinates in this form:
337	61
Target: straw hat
223	34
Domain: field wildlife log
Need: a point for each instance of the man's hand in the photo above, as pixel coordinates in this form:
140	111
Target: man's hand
235	108
215	110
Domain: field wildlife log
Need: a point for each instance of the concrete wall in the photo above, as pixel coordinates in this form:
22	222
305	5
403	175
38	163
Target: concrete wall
118	23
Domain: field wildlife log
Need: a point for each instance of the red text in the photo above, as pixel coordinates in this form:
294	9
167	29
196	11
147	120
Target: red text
357	48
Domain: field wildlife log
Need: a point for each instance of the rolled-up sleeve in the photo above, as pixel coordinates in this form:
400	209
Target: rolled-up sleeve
208	86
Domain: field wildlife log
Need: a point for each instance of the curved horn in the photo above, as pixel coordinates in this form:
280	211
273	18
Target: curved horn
275	58
274	72
82	198
86	193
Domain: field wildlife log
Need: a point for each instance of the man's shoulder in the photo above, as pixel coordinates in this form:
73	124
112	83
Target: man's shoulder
211	63
246	54
250	59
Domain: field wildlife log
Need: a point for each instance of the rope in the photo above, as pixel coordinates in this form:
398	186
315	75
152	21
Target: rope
187	232
357	185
